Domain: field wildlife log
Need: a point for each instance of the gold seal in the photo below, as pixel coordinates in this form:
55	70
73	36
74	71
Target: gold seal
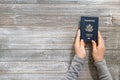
89	28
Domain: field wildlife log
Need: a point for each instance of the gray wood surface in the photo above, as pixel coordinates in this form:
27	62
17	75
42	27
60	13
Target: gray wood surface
37	37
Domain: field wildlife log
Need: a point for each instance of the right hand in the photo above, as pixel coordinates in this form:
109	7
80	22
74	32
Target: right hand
79	46
98	50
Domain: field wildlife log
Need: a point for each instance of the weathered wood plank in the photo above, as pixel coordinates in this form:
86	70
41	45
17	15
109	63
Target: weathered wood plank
18	68
12	14
60	9
42	67
59	2
68	32
50	55
35	55
37	40
49	46
25	20
31	76
85	72
16	38
33	67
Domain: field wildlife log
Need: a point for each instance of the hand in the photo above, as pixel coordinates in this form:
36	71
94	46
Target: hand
79	46
98	50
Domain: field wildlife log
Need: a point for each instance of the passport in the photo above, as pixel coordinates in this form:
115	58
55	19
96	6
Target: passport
89	28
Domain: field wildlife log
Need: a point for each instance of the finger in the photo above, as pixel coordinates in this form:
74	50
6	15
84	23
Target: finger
82	43
100	40
99	37
78	36
94	45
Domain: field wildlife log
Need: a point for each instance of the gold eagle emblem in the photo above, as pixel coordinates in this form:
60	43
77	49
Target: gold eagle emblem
89	28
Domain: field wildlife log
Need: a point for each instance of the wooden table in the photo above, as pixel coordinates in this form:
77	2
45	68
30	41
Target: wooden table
37	37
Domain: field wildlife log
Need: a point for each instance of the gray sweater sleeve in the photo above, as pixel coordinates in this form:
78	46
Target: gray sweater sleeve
103	71
75	68
77	65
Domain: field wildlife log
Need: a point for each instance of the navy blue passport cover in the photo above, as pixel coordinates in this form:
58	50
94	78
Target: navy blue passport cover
89	28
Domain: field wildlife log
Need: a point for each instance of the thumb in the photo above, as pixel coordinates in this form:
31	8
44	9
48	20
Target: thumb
82	43
78	36
93	44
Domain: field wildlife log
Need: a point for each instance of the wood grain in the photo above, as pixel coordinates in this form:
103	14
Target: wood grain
37	37
31	76
59	2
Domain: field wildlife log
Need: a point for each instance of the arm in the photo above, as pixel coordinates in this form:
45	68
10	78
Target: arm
103	71
75	68
78	60
98	56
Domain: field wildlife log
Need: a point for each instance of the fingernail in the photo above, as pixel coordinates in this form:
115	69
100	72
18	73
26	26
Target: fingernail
81	39
92	41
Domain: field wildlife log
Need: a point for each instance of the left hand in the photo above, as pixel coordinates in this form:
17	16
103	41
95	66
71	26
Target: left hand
79	46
